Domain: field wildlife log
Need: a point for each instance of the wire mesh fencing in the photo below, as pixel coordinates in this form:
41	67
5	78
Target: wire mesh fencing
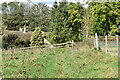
108	44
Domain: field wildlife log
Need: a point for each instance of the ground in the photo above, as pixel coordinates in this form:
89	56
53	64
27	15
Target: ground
77	62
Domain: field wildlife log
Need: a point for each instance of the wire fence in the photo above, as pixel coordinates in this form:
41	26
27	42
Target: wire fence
107	44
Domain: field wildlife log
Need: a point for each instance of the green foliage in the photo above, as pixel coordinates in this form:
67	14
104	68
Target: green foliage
59	21
15	39
66	22
50	37
3	29
22	43
37	15
17	14
114	30
37	38
75	28
19	42
5	45
11	15
106	16
8	40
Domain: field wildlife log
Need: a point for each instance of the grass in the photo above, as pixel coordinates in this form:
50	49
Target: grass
78	62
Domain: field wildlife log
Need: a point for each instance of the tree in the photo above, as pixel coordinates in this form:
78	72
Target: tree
59	23
75	15
66	22
37	15
11	15
87	22
18	14
106	16
37	38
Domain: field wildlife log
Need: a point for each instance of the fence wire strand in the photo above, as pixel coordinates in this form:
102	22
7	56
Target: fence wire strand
112	44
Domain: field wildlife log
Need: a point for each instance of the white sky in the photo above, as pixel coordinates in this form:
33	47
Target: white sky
48	2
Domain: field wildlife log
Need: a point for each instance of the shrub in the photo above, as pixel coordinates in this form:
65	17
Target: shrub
19	43
16	39
50	38
5	45
26	43
8	40
22	43
37	38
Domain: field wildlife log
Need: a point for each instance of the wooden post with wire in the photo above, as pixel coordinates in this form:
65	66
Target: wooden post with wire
117	40
119	44
96	41
106	46
72	43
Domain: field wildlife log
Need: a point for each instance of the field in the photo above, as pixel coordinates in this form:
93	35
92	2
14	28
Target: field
77	62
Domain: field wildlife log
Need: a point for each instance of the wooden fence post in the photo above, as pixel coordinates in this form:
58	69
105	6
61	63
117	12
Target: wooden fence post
106	49
117	40
24	29
72	43
96	41
119	44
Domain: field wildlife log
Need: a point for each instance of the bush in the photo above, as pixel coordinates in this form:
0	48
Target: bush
5	45
50	38
22	43
19	43
13	40
8	40
26	43
37	38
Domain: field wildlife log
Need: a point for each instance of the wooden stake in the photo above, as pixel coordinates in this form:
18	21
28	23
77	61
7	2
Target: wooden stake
72	43
117	40
106	49
96	41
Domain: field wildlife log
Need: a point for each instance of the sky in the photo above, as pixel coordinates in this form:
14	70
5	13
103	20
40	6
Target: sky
48	2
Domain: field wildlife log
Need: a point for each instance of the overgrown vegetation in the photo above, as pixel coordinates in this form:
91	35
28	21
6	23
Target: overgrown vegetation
15	39
77	62
37	38
66	21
